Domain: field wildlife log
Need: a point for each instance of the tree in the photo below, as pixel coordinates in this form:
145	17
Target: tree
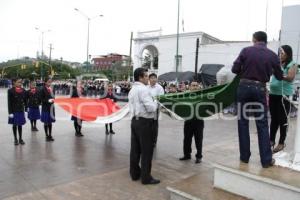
148	59
27	68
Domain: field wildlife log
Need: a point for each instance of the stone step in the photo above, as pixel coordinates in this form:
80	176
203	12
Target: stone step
254	182
199	187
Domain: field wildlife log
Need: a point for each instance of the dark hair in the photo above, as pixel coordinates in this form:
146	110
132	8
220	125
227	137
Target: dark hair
47	79
13	80
289	53
152	74
139	72
260	36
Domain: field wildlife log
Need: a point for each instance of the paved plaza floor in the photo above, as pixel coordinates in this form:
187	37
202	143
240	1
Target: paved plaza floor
96	166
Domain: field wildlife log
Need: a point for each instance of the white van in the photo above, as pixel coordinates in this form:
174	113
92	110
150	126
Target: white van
101	80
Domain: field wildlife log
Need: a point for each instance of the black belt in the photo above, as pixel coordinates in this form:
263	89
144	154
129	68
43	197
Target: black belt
243	80
142	118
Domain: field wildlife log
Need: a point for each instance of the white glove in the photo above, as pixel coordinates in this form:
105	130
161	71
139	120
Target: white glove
51	100
11	115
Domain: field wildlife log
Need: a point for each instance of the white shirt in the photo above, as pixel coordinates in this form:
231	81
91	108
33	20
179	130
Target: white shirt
118	89
156	90
141	103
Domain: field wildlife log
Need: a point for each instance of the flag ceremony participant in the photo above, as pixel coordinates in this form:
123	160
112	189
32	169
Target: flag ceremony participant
16	101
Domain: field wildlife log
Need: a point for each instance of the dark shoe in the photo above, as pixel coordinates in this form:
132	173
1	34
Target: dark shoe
278	148
185	158
35	129
16	142
51	139
22	142
48	139
32	129
151	182
198	160
135	178
112	132
80	135
77	134
270	164
106	132
244	161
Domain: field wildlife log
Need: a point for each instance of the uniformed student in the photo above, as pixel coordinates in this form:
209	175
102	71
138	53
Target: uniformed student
48	112
77	121
16	101
143	110
33	103
110	94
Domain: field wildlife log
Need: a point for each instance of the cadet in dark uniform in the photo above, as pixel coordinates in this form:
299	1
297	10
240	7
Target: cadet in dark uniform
110	95
16	101
77	121
33	103
193	127
48	112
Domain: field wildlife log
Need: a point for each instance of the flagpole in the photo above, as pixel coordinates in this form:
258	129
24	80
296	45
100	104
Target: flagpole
177	44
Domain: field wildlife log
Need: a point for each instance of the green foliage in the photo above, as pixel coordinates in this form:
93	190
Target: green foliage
147	61
27	68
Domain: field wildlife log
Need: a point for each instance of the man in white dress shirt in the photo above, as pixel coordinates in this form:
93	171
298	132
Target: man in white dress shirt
143	111
155	90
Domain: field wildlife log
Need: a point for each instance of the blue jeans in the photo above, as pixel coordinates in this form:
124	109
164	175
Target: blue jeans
255	94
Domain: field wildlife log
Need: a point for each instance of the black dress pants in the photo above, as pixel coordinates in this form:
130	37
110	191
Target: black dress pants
279	110
193	127
142	144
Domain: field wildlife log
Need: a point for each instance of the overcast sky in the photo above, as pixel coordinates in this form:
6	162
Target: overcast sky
224	19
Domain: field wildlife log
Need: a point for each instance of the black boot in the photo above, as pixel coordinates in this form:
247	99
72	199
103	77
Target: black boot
185	158
22	142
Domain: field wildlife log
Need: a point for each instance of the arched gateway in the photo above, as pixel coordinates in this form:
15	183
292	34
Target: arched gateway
157	52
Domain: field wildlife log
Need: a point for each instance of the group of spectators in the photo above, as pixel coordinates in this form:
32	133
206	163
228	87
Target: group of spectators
90	88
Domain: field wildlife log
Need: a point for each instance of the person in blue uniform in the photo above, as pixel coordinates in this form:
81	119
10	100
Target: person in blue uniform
77	121
16	101
33	103
110	94
48	111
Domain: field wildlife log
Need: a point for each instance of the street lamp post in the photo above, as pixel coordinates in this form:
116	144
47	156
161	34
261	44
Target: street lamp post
42	56
88	33
61	61
42	33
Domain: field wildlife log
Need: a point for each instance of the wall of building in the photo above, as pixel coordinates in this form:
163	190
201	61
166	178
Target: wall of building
290	29
167	53
166	46
225	53
218	52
